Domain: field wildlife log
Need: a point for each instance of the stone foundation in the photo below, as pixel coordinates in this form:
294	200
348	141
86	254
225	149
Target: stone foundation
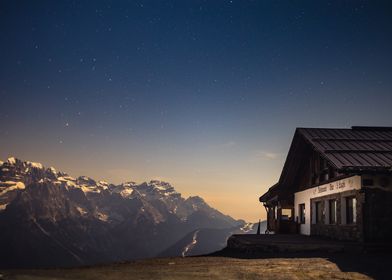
340	230
378	215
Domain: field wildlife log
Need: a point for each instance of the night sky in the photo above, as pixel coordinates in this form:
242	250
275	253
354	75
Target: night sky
203	94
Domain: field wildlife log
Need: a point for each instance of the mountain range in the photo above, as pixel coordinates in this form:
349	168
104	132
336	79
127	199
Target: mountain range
50	219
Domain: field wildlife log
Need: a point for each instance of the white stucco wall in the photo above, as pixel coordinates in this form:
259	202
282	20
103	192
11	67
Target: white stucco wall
304	197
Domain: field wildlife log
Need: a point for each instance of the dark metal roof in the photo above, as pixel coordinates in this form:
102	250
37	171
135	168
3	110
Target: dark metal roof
352	151
356	149
272	191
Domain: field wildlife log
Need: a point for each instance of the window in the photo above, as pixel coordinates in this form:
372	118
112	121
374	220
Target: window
286	214
351	210
301	212
319	212
332	211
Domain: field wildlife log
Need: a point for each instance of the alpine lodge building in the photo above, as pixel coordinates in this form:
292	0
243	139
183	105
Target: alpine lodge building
335	183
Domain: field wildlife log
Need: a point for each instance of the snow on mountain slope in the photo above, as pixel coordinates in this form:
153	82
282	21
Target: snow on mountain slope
80	220
192	244
248	227
202	241
16	175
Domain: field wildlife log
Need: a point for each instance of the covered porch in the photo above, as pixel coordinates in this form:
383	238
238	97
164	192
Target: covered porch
279	205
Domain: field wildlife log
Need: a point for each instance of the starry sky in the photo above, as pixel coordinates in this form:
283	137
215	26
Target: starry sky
203	94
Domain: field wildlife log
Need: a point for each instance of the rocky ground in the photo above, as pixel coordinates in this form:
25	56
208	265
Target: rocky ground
229	267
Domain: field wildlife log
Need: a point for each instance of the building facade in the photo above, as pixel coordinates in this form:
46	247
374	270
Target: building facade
335	183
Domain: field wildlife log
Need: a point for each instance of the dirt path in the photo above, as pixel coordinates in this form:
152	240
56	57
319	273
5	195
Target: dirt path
199	268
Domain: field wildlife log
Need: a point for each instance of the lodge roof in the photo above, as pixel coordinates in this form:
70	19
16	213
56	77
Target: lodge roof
356	150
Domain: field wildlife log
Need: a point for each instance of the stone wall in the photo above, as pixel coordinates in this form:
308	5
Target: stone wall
378	215
340	230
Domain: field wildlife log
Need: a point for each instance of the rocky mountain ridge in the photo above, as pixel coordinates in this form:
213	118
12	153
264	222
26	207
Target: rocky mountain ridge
48	218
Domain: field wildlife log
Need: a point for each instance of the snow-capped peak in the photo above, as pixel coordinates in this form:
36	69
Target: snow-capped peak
160	185
11	160
129	184
86	180
53	170
157	189
125	189
35	164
